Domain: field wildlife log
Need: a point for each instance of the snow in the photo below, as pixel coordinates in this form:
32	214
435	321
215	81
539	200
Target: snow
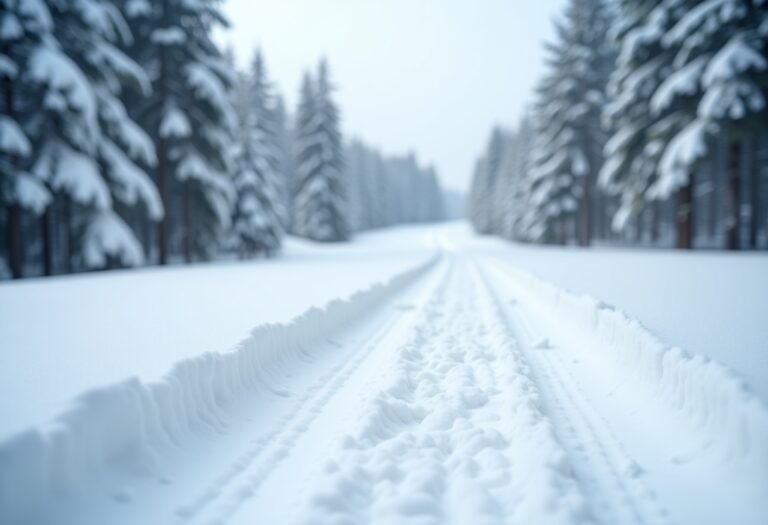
37	12
175	124
680	156
136	8
729	90
168	36
713	304
207	85
49	66
75	173
107	236
132	183
31	193
692	20
464	387
103	319
105	18
13	141
7	67
683	81
734	59
10	28
106	55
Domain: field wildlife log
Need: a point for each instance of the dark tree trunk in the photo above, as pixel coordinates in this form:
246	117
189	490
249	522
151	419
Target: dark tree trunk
162	186
685	216
585	214
45	230
163	226
187	234
761	160
733	224
66	222
14	234
655	222
15	242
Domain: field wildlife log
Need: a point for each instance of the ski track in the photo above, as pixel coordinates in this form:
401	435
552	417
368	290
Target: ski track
458	435
229	491
446	403
612	479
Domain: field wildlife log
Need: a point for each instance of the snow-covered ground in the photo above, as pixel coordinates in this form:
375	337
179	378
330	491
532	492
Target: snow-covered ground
709	303
462	388
62	336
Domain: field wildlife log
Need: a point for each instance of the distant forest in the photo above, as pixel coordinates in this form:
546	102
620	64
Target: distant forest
127	138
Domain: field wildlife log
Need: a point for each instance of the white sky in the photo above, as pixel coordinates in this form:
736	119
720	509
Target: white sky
431	76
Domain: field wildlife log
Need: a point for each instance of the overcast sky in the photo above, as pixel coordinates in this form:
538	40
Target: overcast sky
431	76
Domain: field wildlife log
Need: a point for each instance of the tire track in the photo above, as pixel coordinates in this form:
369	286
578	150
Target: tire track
611	479
457	435
232	489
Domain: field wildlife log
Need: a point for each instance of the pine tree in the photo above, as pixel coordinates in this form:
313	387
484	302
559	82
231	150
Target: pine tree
512	194
284	132
569	138
189	116
700	67
641	131
25	28
481	210
719	88
259	210
82	144
321	202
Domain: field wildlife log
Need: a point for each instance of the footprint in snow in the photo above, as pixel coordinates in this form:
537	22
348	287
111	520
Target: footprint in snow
542	344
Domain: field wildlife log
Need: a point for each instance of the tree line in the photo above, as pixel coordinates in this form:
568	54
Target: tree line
128	137
390	190
649	126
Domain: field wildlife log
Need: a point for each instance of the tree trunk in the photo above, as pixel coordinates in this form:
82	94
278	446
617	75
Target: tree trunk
187	236
761	160
585	214
15	242
15	235
162	157
655	212
45	223
685	216
733	224
162	187
66	221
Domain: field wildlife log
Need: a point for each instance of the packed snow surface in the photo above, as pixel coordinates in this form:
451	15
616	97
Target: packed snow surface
432	377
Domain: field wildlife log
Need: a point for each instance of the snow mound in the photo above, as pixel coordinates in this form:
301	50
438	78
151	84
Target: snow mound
704	392
134	422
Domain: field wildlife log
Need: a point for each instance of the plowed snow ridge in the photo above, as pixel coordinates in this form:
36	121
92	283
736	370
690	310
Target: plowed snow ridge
462	391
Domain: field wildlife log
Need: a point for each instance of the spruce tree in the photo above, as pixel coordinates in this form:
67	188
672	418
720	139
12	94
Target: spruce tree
259	209
80	141
25	28
718	90
189	116
321	201
641	127
570	139
483	192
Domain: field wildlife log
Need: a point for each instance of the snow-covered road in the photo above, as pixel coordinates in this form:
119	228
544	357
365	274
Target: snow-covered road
462	391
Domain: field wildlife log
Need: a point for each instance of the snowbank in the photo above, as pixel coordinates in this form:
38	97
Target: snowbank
706	393
65	335
133	422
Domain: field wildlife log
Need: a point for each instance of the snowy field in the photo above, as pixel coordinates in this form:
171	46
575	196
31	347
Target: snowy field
440	378
65	335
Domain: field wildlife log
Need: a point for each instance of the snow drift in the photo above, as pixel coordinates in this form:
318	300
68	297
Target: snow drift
707	394
133	422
